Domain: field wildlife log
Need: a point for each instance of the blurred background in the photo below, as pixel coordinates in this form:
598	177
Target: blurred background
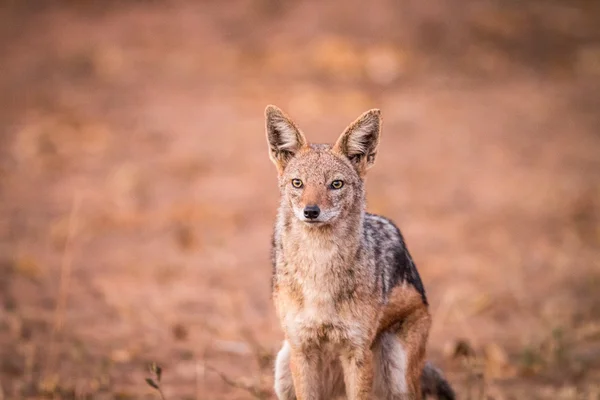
137	197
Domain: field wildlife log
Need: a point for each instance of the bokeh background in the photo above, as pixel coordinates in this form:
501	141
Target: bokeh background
137	198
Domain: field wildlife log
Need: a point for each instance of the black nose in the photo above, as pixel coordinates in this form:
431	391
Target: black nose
311	212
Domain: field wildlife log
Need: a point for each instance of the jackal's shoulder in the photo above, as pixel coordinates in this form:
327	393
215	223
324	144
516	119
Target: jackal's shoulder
392	258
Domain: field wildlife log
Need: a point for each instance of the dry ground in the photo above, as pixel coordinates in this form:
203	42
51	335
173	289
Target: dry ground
137	196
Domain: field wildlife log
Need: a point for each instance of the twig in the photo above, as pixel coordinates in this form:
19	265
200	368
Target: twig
200	373
158	389
154	382
162	395
256	393
65	280
65	268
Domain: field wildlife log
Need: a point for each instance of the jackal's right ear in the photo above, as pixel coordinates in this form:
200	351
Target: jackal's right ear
283	136
360	140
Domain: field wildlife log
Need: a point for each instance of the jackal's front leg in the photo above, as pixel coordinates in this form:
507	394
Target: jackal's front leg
358	374
305	374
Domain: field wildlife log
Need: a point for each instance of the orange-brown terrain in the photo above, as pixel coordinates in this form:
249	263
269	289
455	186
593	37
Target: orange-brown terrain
137	197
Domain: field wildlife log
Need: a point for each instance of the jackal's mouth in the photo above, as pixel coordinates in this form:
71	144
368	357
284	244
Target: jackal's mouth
313	222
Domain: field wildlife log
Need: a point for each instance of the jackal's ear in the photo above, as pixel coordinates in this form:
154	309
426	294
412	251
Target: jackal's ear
283	136
360	140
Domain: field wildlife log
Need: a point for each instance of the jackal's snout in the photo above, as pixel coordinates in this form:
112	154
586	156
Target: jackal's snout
312	212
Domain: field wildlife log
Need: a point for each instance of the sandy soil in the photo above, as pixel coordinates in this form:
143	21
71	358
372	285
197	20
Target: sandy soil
137	196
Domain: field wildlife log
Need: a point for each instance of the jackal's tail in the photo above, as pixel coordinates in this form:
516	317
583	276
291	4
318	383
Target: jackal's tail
434	384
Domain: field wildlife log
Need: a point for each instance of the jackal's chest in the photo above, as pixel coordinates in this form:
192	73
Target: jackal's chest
317	315
316	299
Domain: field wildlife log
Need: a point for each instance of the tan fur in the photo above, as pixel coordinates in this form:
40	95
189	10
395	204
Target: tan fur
404	300
346	332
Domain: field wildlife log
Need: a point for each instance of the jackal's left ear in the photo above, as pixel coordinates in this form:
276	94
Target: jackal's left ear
360	140
283	136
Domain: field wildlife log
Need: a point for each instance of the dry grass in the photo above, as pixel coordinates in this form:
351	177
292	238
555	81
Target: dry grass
151	113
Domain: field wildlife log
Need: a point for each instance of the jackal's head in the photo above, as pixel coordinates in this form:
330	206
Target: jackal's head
321	183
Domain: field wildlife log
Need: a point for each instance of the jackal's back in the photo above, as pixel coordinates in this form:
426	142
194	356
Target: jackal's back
394	265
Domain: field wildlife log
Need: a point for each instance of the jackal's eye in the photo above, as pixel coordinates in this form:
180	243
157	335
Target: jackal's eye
297	183
337	184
